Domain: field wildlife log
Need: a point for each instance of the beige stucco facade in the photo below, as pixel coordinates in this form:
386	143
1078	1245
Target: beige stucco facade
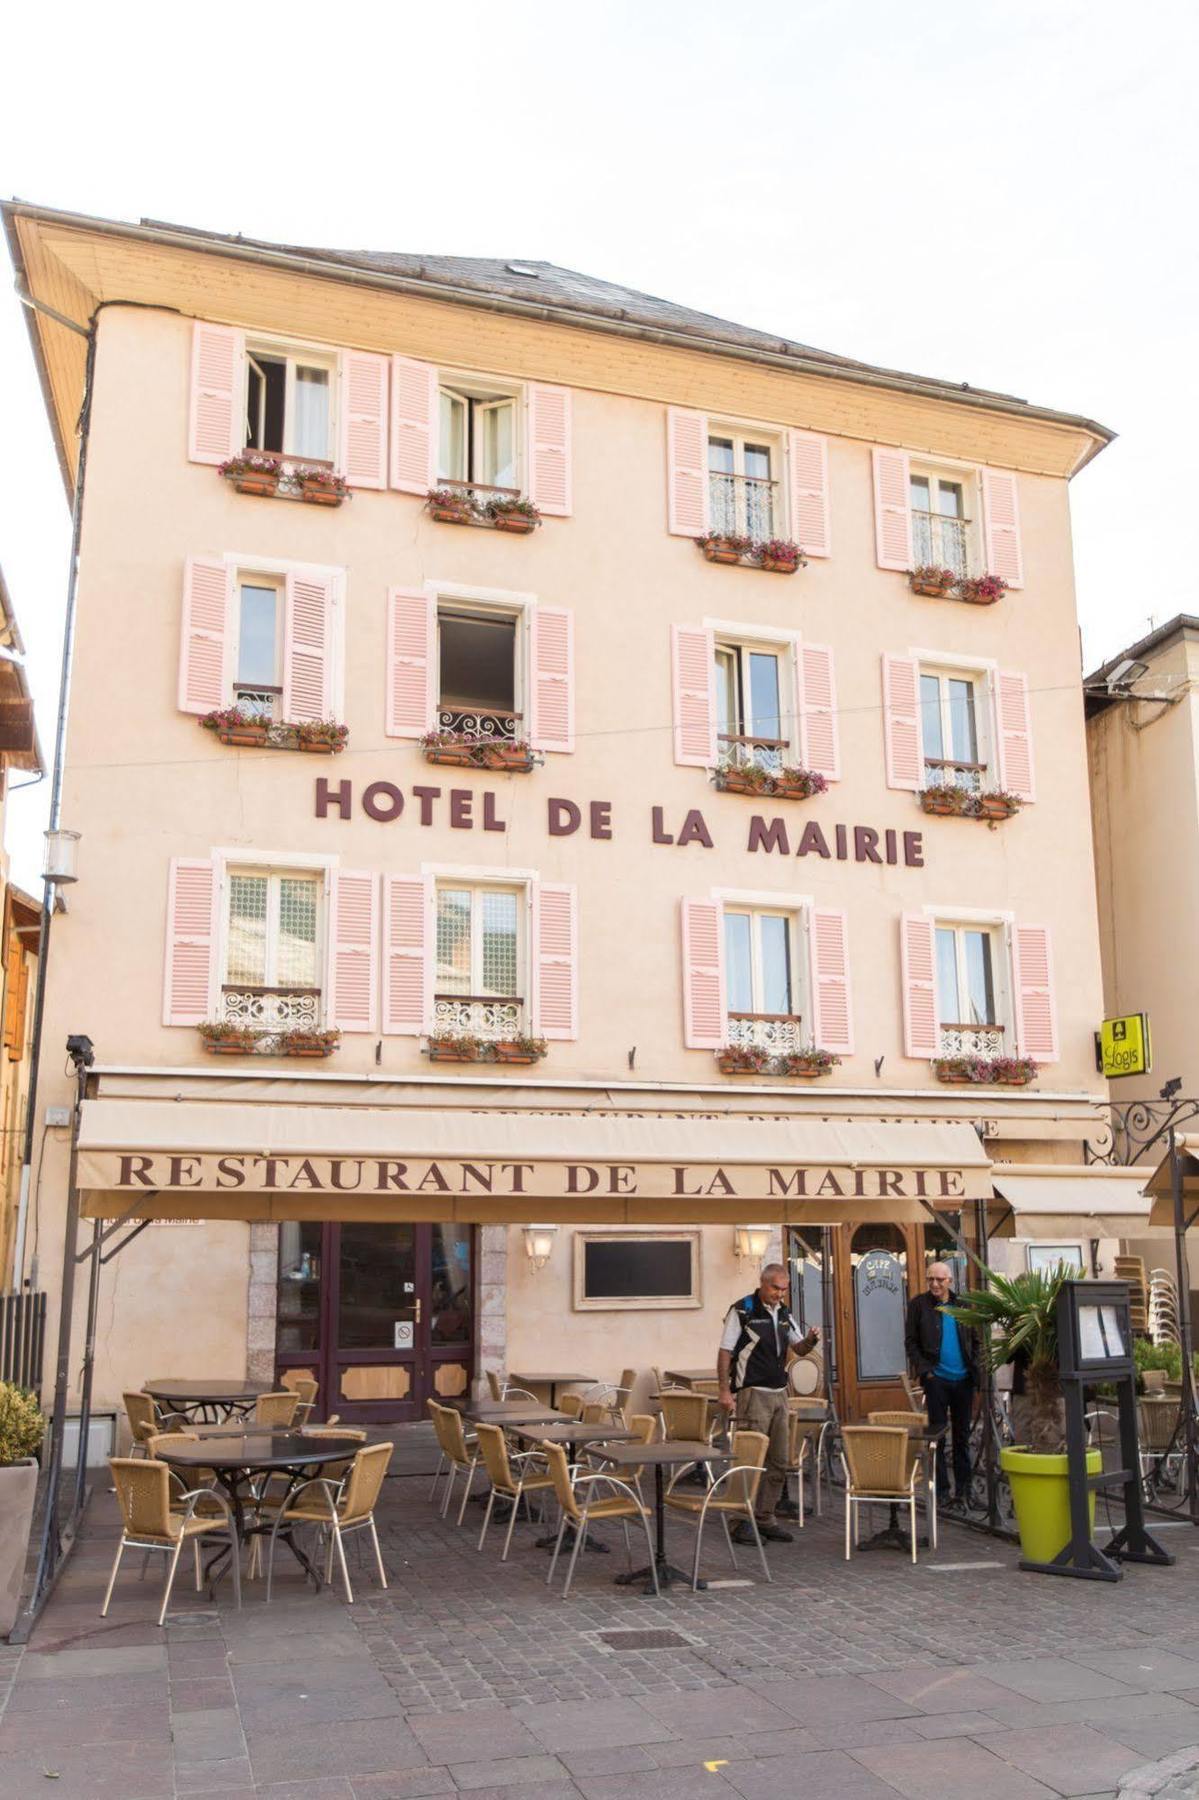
144	784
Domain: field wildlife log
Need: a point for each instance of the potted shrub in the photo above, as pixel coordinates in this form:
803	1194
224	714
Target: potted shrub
252	472
320	486
233	726
780	555
807	1064
453	1046
22	1427
1016	1319
725	546
742	1059
509	513
221	1037
519	1049
985	1071
935	583
322	737
305	1040
981	590
453	506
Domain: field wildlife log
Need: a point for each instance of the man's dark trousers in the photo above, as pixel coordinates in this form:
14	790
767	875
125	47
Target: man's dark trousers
951	1400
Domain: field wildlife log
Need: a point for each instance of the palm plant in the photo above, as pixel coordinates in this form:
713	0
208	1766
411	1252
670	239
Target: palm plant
1016	1319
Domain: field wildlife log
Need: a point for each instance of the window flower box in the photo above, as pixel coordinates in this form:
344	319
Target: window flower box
981	590
985	1071
754	1059
233	726
320	487
303	1041
742	1059
519	516
523	1050
321	737
724	547
807	1065
222	1039
788	783
454	1046
932	582
962	803
779	555
458	750
451	506
253	473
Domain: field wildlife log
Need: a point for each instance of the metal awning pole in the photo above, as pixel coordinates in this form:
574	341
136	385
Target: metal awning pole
990	1466
1184	1324
89	1363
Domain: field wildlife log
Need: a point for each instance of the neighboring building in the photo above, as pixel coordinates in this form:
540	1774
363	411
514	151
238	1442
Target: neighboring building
20	921
613	900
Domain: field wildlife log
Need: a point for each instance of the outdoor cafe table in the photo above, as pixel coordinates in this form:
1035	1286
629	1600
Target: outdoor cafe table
513	1412
236	1459
688	1377
658	1457
552	1382
210	1401
893	1536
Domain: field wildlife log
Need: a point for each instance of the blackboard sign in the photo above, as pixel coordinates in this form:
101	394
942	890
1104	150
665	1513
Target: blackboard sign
880	1293
637	1269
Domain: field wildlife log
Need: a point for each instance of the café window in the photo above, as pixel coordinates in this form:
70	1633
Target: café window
615	1271
743	486
258	679
481	968
953	719
477	662
943	528
478	438
289	402
879	1265
753	723
272	962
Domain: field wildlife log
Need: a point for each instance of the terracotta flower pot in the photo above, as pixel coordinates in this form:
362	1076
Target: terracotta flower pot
993	808
319	495
309	1050
250	483
222	1047
453	1053
979	599
454	756
780	565
806	1071
249	737
453	515
519	523
931	590
729	1065
721	553
736	781
508	1053
946	808
319	746
506	756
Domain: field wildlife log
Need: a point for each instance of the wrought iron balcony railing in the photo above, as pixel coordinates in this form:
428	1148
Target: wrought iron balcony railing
972	1040
735	751
777	1032
271	1008
940	542
478	722
942	771
480	1016
741	504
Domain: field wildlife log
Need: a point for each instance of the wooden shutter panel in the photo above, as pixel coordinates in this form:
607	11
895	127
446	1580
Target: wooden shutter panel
1013	734
892	509
548	437
692	661
205	635
918	973
414	409
901	722
18	1044
686	472
407	962
363	433
353	951
191	941
819	744
308	645
1001	524
1036	1002
832	1001
13	997
705	1013
411	708
555	960
216	428
807	460
551	679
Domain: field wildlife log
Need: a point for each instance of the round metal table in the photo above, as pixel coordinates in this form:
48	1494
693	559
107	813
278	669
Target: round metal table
236	1460
207	1402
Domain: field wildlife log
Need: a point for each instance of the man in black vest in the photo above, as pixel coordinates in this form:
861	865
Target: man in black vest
752	1365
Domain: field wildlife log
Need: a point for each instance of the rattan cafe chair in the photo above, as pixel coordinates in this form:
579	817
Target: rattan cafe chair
276	1411
881	1465
305	1388
571	1405
646	1427
268	1499
1162	1447
731	1495
513	1475
685	1414
459	1454
799	1455
582	1505
148	1522
915	1397
338	1508
143	1418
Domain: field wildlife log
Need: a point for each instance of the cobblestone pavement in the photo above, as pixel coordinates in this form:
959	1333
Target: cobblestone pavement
854	1681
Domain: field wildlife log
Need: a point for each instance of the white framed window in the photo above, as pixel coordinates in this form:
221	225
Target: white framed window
627	1271
945	508
974	1007
765	959
481	949
480	657
955	728
272	936
744	482
479	435
755	709
258	675
290	404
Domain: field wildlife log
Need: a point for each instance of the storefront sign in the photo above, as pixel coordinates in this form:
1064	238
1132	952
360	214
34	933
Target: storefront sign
471	809
1124	1046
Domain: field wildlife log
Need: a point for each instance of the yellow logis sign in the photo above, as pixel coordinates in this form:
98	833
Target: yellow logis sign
1124	1046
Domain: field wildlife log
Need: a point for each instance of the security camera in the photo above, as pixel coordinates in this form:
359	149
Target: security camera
81	1050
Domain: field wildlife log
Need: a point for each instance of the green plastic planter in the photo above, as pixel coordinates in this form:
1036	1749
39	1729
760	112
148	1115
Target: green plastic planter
1041	1496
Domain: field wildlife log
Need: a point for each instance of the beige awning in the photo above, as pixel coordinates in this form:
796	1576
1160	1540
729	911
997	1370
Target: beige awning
1159	1185
1092	1201
222	1160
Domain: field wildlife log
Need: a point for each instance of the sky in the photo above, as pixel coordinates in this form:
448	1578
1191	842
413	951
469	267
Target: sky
998	191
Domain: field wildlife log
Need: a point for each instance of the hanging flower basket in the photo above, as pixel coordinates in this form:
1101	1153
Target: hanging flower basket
932	582
983	1071
253	474
453	1047
320	487
522	1050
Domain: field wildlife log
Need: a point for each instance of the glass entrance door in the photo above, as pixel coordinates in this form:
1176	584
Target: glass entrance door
380	1314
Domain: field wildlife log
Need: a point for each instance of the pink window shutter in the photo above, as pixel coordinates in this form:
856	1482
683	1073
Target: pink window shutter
1036	1002
901	722
832	998
1013	723
410	708
686	472
693	671
807	458
705	1013
407	957
551	679
353	951
892	509
205	633
191	941
1001	522
819	745
548	419
555	960
363	448
414	420
918	973
216	428
308	645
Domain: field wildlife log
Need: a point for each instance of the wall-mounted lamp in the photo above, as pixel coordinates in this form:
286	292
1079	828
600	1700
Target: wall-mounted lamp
539	1243
751	1241
60	856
